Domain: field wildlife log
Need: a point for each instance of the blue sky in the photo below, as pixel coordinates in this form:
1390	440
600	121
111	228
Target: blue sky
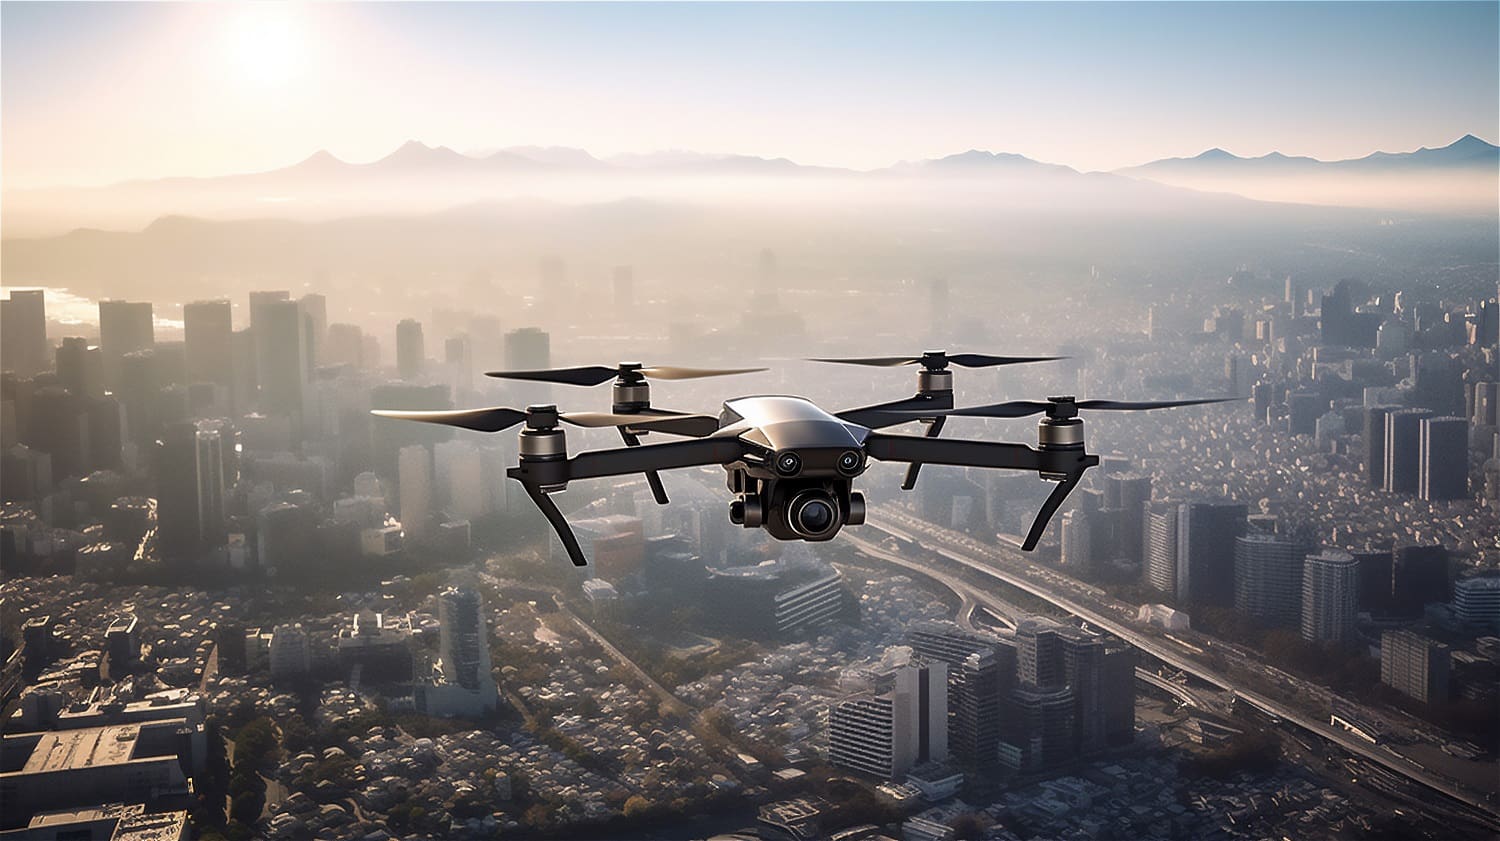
206	89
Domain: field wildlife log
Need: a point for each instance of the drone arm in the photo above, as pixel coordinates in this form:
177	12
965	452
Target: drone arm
692	453
653	478
934	429
1066	466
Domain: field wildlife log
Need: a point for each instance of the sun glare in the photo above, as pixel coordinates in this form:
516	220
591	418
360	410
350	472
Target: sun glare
267	44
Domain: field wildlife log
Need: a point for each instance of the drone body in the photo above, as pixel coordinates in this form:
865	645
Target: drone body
790	464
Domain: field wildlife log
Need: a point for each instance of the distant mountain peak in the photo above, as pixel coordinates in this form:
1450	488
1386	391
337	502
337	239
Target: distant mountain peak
1217	154
415	152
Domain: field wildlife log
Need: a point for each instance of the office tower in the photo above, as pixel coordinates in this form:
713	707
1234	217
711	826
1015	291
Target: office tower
624	281
282	344
23	332
463	684
1160	565
1290	295
1341	325
1268	578
214	465
124	327
106	433
285	536
1305	407
1444	460
344	346
1415	666
260	302
1240	373
458	359
1118	694
1403	449
1040	731
1128	494
1077	542
1329	592
1419	577
195	467
899	723
460	480
528	349
415	478
1376	574
1038	652
411	350
1476	601
59	428
1205	552
1438	384
80	367
1083	672
208	333
981	674
1375	433
138	391
315	325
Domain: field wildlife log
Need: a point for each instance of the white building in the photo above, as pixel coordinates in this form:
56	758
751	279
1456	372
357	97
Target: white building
880	732
1476	601
464	684
290	653
1330	591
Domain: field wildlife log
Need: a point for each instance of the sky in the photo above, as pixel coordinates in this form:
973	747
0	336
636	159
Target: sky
98	93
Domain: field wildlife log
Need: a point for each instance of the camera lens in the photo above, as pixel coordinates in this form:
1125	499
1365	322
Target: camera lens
849	462
812	514
788	464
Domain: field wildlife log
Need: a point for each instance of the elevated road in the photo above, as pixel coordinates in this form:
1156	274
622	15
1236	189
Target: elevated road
936	541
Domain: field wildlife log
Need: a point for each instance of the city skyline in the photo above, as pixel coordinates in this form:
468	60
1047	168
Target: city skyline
212	90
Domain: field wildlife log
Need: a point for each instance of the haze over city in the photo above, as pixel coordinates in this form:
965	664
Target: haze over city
1200	301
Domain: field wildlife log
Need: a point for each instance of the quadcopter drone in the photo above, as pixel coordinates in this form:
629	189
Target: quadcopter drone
791	465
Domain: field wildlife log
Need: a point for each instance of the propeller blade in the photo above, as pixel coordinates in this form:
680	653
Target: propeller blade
583	375
1012	409
595	420
981	360
493	419
668	372
876	361
1147	405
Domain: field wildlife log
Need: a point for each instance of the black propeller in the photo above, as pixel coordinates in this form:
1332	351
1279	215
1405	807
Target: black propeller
596	374
1066	407
938	360
497	418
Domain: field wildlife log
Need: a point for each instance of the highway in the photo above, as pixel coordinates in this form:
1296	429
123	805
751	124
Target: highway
936	541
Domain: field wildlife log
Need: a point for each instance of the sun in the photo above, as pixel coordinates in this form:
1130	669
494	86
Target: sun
266	44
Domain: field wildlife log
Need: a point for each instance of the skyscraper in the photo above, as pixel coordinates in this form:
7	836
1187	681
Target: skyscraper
1329	595
1083	671
139	388
1375	423
80	367
1419	577
528	349
464	683
1305	407
1129	494
281	340
1161	547
899	723
1444	459
23	332
1414	665
411	349
1403	449
124	327
260	331
1038	652
1205	551
344	346
208	333
1268	578
981	674
315	326
194	463
415	478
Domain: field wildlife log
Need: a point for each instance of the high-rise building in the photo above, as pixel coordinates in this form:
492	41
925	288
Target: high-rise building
411	349
1127	493
1486	404
981	674
1329	594
1083	671
290	653
124	327
283	373
1077	542
458	361
776	599
463	683
1039	652
208	333
1414	665
1160	566
260	332
1443	472
59	427
344	346
139	389
1268	578
1040	731
528	349
1403	449
897	724
414	472
1476	601
1120	662
1375	423
1305	408
80	367
1419	577
460	479
315	326
1205	552
23	332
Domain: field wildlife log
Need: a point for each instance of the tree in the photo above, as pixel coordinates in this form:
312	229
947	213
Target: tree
636	806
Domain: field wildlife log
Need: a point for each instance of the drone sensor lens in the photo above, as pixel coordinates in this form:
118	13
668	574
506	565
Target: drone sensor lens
849	462
788	464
